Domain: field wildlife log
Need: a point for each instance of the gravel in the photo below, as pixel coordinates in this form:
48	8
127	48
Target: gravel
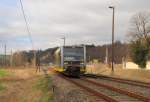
138	89
117	96
65	91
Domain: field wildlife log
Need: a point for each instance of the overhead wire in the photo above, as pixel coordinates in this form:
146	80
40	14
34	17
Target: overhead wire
26	23
29	34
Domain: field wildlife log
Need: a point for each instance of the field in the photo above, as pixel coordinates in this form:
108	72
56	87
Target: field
24	85
135	74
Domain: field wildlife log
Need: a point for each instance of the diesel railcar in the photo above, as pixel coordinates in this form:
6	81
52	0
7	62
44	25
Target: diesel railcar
70	60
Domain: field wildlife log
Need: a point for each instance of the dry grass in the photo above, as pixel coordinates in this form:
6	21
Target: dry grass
23	90
43	85
135	74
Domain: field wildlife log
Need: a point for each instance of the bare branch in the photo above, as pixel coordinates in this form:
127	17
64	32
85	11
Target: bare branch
140	25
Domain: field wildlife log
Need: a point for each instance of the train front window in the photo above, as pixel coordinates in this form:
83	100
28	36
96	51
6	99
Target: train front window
73	54
73	58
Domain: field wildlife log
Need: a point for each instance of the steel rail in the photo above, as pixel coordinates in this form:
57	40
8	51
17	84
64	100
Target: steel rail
121	91
126	81
95	93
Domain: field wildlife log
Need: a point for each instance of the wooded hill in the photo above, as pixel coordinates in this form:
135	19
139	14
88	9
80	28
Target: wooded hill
93	52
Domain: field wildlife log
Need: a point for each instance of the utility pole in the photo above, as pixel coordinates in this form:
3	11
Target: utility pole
106	57
38	61
113	23
1	57
5	55
64	40
34	58
11	59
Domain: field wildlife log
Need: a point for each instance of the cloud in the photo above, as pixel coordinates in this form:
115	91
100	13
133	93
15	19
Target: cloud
81	21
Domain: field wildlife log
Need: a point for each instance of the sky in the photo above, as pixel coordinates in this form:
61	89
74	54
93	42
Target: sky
80	21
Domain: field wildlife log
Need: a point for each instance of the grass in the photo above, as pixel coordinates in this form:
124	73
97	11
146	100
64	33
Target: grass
44	85
1	87
3	73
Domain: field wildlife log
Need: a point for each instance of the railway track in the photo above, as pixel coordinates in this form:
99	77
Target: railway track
140	88
126	81
95	93
106	92
119	90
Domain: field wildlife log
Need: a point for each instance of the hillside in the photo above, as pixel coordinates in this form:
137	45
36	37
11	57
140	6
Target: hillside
93	52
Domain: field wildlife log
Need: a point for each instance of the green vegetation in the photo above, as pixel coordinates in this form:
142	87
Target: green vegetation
1	86
139	31
44	85
3	73
139	53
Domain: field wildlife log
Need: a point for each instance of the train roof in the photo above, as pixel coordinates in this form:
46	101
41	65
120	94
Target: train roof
74	46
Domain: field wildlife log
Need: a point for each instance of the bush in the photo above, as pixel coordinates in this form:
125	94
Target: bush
139	53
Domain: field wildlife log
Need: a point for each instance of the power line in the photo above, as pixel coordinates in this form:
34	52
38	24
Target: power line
26	23
28	30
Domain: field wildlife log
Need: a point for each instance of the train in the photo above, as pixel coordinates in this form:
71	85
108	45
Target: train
70	60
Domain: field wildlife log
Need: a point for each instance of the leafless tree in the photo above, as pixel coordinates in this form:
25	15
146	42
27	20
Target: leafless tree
140	26
19	59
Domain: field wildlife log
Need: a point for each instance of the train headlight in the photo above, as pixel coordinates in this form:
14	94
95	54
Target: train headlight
82	63
65	68
66	63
